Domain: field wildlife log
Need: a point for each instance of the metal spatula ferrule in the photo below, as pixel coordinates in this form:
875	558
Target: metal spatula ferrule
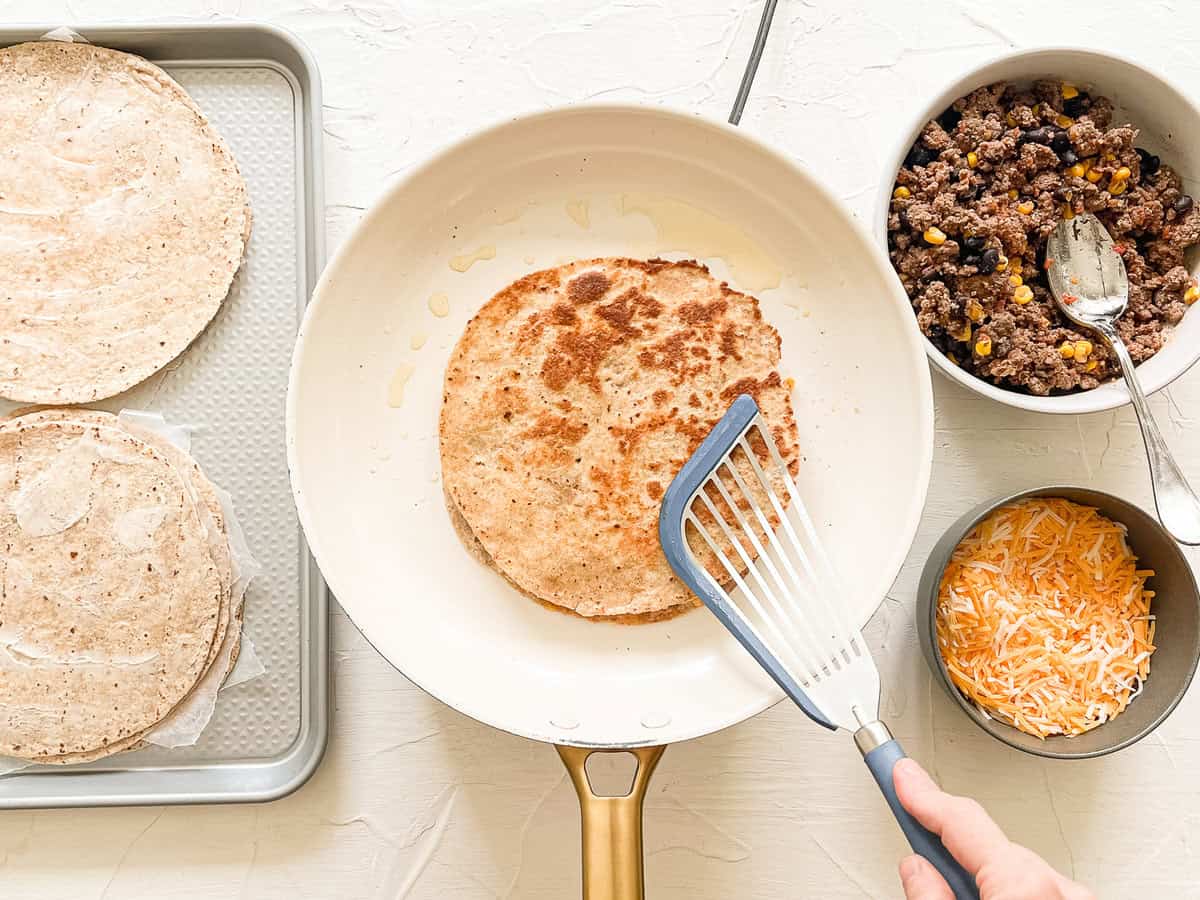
735	503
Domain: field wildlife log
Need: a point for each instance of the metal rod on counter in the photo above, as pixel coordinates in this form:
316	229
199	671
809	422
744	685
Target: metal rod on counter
756	52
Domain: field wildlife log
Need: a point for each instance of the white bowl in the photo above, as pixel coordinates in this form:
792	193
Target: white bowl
1169	123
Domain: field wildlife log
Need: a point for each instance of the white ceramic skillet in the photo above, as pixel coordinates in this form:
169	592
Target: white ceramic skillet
366	387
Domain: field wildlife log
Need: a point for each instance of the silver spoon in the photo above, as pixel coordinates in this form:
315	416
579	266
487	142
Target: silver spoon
1088	280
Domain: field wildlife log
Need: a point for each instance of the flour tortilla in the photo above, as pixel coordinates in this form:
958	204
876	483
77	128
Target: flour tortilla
105	627
573	398
480	554
201	492
213	518
123	219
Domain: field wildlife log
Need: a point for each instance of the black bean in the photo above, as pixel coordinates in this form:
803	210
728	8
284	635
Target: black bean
1150	162
1036	136
1060	141
949	119
975	243
920	155
1076	105
1183	205
1069	157
989	260
971	259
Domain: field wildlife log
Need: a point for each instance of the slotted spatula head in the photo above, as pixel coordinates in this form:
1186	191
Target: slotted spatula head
735	530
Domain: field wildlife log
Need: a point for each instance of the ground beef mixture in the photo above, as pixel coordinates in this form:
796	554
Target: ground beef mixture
979	194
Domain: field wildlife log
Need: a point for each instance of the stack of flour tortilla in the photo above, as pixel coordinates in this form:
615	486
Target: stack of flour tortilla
119	596
123	219
571	401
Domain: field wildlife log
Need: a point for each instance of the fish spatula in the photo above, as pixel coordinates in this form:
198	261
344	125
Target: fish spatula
735	502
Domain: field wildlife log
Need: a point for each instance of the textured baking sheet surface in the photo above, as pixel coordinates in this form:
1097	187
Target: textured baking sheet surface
230	385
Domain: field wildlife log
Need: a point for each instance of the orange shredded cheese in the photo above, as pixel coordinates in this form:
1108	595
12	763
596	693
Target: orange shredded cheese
1043	617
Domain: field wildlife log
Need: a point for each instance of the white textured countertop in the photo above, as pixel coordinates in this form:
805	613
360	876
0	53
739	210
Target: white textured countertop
414	800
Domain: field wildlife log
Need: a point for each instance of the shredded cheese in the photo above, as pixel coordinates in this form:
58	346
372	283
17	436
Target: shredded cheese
1043	617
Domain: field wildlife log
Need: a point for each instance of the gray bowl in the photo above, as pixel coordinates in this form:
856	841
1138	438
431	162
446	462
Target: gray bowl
1176	605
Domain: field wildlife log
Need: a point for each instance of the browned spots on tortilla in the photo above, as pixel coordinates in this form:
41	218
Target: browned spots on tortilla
693	401
654	489
695	429
667	353
531	330
619	315
660	397
729	343
700	351
645	304
588	287
751	386
577	356
563	314
558	428
700	313
629	436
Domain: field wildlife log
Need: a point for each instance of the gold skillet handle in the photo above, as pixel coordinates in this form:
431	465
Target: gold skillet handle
612	827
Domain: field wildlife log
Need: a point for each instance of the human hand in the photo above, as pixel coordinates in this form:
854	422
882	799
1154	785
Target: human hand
1003	870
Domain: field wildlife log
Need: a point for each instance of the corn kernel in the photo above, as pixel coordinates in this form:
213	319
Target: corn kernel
972	159
983	346
974	312
1191	295
1117	187
1069	92
1025	208
934	236
1077	171
1109	155
1023	294
1017	264
902	193
953	359
1068	211
1002	263
1091	366
1067	350
1037	109
964	335
1011	120
1122	173
1094	175
1063	121
1083	349
1013	194
1016	280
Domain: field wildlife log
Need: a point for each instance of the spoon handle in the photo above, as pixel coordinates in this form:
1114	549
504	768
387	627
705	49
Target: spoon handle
1178	506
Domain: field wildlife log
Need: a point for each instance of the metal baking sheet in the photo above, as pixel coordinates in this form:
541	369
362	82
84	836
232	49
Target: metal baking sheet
261	89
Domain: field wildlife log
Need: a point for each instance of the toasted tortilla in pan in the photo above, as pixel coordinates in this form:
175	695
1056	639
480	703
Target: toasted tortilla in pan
572	399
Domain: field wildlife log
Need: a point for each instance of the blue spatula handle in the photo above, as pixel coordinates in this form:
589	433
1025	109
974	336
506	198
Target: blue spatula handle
881	761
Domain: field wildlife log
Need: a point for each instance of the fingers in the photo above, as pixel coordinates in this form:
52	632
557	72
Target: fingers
967	831
921	880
